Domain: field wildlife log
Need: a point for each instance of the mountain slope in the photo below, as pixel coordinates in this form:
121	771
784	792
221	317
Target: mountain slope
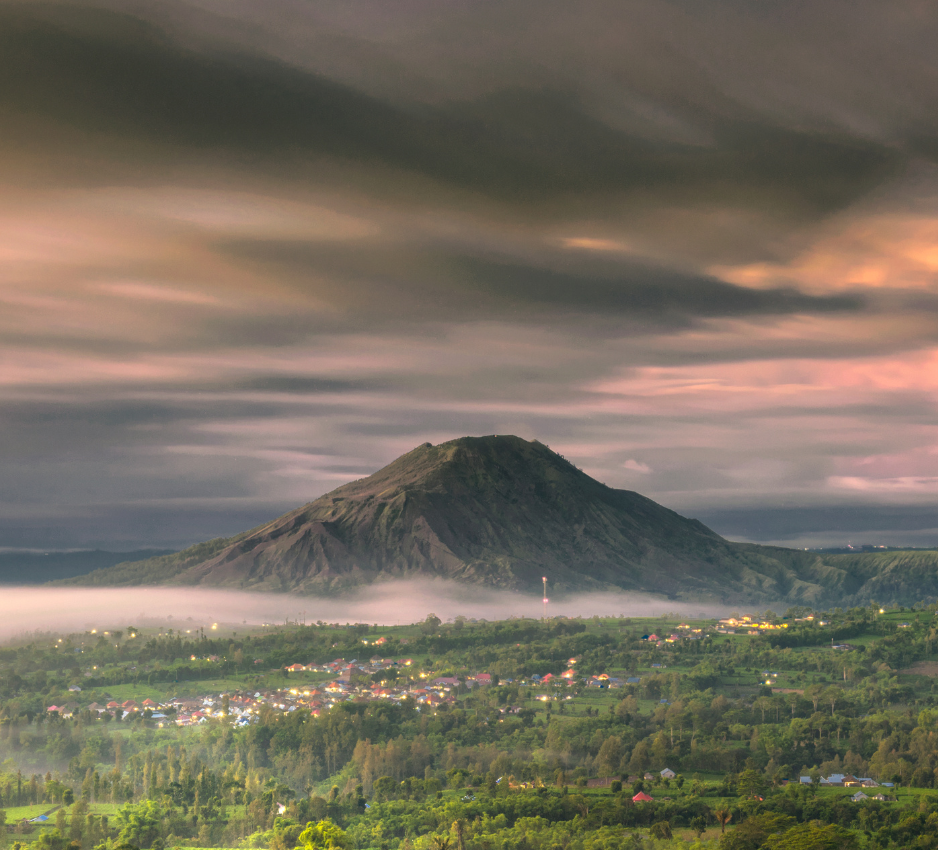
502	512
27	567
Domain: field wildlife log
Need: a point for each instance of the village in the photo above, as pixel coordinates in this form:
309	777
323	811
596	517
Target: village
352	680
320	686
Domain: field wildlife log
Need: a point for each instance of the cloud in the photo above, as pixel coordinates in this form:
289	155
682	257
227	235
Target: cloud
60	610
451	285
248	251
123	79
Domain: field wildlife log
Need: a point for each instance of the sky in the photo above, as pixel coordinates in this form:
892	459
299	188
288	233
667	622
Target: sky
252	251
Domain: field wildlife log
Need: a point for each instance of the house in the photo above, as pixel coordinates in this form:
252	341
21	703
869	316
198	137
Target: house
667	773
148	703
296	668
642	797
483	678
841	780
859	797
75	689
568	674
352	675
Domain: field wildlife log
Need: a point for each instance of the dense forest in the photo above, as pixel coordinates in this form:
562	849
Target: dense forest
517	763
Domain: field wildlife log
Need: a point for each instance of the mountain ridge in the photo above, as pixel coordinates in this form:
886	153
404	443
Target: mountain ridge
501	511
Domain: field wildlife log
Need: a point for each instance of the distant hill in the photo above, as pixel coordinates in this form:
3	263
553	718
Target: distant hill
500	511
18	567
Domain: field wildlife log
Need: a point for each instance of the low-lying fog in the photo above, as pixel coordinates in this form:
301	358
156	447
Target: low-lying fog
56	609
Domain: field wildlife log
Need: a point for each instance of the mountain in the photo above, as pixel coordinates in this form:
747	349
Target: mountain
502	512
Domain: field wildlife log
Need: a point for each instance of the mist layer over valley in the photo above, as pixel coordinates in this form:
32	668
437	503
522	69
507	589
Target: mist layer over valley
28	609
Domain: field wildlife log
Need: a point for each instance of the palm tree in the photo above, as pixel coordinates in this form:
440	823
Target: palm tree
723	816
459	826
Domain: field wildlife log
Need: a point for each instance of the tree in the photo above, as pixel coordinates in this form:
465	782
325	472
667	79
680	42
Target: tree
610	754
752	833
459	826
751	783
699	825
814	694
723	816
640	759
323	835
661	830
831	695
139	825
763	703
813	836
431	624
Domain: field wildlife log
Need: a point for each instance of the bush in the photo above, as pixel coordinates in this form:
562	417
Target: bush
661	830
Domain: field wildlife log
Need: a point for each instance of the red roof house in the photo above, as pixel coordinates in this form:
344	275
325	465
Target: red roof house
642	797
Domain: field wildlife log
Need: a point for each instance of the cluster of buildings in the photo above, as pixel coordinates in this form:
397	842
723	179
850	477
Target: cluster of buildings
848	780
349	680
747	625
112	708
684	632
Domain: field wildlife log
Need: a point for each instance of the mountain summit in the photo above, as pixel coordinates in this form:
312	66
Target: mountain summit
497	511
